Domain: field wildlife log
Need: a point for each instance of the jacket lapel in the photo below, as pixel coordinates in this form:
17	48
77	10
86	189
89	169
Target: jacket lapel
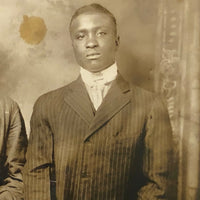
118	96
77	97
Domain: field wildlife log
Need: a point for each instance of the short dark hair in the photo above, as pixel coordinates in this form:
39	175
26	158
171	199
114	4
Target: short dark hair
93	7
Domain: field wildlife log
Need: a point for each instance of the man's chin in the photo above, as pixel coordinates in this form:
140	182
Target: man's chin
95	68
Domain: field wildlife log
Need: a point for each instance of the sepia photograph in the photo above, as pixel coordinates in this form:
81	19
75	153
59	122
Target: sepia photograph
100	100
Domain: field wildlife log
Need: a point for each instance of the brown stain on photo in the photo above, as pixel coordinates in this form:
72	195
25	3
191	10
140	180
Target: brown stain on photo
33	29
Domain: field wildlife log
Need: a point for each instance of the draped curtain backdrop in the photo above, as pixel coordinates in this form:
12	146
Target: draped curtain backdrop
177	76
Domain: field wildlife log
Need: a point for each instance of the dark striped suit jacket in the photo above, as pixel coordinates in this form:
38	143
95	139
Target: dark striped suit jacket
121	152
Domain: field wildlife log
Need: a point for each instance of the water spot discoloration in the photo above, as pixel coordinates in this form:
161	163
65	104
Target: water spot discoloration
33	29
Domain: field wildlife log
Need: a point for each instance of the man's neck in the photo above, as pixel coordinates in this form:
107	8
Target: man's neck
108	74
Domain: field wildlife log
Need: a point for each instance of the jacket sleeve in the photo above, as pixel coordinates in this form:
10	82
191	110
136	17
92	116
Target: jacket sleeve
39	156
14	157
157	155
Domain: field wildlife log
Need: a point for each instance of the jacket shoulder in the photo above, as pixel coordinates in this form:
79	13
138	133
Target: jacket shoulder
55	95
138	91
7	103
145	97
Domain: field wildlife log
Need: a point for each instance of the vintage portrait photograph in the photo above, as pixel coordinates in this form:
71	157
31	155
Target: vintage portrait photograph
100	100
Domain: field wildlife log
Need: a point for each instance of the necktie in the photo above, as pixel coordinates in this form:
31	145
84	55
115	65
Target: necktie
97	94
98	83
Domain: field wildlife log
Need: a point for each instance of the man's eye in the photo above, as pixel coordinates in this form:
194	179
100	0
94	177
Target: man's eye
80	37
101	33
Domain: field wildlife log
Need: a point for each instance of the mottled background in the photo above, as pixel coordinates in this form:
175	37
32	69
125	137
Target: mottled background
160	45
29	68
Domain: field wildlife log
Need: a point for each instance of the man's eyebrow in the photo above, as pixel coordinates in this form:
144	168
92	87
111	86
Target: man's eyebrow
95	28
81	30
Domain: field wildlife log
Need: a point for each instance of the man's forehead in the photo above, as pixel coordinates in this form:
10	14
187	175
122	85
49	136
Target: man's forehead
92	19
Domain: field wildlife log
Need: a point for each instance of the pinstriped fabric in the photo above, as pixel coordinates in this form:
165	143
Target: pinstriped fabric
122	152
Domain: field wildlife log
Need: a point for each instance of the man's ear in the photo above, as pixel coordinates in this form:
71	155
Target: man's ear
117	41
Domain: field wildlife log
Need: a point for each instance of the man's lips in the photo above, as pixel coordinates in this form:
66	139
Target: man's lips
93	56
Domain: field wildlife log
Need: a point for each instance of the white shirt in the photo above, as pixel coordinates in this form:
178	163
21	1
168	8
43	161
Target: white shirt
98	84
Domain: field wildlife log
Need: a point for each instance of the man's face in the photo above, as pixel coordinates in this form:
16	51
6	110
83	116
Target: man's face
94	40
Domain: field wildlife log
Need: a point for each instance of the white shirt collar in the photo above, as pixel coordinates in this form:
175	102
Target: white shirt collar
99	78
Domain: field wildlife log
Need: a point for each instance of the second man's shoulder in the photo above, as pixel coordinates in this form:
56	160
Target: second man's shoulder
7	103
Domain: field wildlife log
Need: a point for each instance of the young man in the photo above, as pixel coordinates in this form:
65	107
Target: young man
13	143
98	138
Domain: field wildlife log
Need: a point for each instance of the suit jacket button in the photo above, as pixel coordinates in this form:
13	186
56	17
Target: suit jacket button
84	174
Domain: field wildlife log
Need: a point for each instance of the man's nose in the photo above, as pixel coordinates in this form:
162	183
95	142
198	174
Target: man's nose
91	42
